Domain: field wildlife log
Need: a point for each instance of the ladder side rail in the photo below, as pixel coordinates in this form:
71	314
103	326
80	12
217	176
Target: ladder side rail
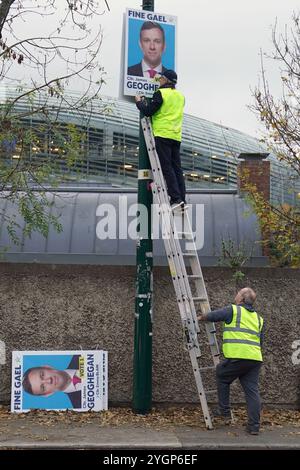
154	160
195	265
204	305
193	352
201	390
200	285
168	217
182	300
173	248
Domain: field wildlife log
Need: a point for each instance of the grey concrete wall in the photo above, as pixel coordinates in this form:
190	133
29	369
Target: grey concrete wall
71	307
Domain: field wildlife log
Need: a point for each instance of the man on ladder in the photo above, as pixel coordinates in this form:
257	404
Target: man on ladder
166	108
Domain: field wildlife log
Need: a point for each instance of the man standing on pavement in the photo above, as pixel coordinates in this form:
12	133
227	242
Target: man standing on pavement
166	109
242	341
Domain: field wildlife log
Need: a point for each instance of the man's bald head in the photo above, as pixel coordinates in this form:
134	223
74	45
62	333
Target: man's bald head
245	296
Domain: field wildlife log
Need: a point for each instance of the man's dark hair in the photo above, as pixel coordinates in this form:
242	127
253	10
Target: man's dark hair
25	382
151	25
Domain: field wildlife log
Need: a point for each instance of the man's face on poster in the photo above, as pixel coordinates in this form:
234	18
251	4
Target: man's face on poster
152	45
46	380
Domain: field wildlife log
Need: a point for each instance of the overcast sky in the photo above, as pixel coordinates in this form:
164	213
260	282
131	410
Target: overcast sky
218	57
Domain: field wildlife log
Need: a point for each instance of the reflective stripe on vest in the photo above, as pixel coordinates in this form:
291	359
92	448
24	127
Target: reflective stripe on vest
167	121
241	337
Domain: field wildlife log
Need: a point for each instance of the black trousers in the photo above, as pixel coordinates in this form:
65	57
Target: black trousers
247	371
169	156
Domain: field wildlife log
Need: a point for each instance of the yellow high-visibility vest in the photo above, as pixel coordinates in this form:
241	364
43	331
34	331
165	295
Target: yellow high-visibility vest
167	121
241	337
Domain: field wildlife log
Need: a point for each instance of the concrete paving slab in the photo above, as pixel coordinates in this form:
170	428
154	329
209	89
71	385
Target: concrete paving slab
88	437
92	436
234	437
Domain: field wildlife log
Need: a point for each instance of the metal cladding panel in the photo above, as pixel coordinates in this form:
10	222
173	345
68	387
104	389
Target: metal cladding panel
81	213
84	223
63	207
225	220
3	204
106	241
248	228
158	248
5	241
158	244
127	204
203	228
37	243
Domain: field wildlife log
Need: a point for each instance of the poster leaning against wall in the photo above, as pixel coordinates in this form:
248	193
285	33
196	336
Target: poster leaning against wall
59	380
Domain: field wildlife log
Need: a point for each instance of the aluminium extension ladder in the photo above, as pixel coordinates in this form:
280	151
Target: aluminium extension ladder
186	273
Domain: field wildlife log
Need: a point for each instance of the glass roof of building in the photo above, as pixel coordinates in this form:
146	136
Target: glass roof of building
209	151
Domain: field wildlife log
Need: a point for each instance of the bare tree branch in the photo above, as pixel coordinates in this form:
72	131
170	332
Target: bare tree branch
35	153
280	222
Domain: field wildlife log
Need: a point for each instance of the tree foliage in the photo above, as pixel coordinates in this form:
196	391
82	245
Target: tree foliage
279	226
280	223
44	46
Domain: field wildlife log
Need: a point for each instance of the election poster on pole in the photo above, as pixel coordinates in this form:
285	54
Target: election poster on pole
150	48
59	380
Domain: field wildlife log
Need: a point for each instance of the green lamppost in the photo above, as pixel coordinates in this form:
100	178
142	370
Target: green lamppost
142	366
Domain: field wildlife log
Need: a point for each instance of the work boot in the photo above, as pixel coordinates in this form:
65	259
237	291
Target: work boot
253	432
226	419
178	206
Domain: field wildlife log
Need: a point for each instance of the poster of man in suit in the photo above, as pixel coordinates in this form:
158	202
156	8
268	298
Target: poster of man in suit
149	50
59	380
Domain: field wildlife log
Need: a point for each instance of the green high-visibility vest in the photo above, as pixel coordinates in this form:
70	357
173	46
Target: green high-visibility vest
241	337
167	121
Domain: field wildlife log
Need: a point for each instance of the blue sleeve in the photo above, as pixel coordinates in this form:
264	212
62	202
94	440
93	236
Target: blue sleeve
262	335
150	107
224	314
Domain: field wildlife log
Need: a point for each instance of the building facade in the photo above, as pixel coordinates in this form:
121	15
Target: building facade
110	144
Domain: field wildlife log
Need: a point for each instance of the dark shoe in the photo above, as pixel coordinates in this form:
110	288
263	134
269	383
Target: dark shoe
225	418
177	206
252	432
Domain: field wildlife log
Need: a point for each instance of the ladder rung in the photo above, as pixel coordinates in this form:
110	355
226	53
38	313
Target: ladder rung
189	254
211	391
206	368
199	298
212	343
185	234
194	276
